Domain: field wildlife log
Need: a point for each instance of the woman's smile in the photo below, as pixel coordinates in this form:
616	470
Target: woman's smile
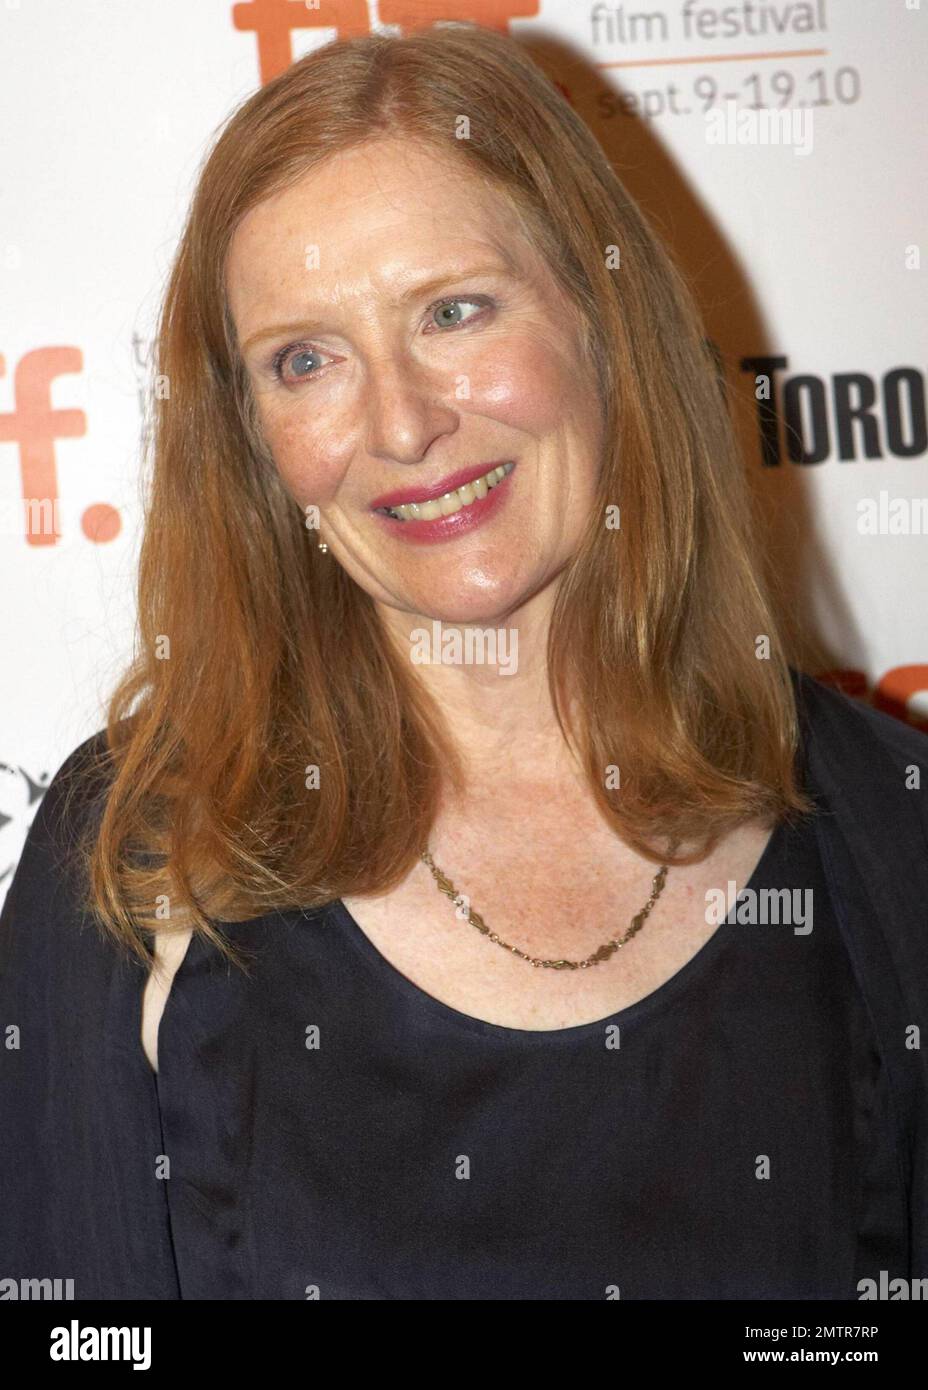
449	514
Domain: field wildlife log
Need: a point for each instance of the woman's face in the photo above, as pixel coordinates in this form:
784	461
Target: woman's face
417	335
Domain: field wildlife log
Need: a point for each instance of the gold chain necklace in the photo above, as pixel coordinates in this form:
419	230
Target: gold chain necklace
605	951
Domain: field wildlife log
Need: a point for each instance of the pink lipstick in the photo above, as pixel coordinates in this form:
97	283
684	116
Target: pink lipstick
456	504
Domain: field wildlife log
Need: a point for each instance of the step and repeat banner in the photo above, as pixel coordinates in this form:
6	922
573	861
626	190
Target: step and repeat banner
778	147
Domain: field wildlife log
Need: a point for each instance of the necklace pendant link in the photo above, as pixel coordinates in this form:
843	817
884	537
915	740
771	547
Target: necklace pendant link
604	952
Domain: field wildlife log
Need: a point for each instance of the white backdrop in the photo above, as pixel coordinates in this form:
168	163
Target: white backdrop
805	253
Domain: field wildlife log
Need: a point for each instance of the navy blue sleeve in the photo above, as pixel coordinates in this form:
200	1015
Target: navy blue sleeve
79	1196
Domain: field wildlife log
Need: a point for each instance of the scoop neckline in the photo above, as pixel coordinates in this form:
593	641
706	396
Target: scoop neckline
681	978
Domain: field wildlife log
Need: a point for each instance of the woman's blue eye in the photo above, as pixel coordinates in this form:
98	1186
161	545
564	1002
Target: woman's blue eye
447	304
293	352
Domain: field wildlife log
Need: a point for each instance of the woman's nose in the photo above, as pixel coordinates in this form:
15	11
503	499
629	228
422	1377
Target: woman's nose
407	406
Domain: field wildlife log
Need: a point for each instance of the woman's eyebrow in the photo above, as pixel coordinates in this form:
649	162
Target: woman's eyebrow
422	287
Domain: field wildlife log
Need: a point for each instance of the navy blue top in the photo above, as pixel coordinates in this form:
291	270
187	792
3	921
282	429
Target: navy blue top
325	1128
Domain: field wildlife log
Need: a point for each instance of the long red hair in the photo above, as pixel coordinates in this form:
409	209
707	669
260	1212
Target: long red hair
258	658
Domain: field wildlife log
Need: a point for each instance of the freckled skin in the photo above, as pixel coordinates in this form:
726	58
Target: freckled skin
384	409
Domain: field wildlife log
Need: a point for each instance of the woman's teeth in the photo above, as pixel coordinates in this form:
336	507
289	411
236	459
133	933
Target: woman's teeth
452	501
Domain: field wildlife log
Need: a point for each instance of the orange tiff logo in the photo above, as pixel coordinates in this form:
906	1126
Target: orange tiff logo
273	21
33	425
